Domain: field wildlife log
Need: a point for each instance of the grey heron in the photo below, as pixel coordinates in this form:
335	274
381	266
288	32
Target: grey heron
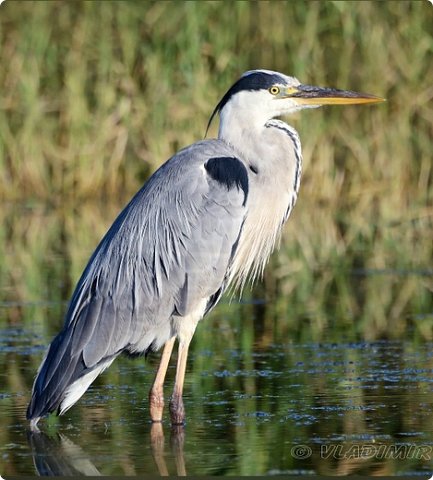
207	218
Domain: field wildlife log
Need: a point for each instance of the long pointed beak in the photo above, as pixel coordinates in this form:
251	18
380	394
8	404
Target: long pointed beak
310	95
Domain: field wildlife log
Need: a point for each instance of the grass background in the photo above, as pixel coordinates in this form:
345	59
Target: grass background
94	96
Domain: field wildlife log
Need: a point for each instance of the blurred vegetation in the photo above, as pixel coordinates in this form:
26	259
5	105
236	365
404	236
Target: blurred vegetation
94	96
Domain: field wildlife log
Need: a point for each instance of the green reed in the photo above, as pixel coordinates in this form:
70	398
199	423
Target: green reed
94	96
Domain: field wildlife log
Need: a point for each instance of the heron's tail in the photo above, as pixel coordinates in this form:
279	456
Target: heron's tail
61	379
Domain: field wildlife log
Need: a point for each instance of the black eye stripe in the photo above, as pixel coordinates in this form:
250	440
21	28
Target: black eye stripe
253	81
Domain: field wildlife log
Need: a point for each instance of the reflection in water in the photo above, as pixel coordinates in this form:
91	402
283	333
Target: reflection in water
59	456
157	442
177	441
300	408
264	376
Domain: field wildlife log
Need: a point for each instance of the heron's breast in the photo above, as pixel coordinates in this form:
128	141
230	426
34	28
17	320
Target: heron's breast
267	209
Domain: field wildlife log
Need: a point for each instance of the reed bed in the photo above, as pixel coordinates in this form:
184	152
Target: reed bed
94	96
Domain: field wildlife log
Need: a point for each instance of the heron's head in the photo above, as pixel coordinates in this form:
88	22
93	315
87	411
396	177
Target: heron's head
260	95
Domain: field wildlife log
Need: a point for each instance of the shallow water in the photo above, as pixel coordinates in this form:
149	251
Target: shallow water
283	382
282	408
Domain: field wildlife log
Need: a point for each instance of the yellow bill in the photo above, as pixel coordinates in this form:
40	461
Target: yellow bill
311	95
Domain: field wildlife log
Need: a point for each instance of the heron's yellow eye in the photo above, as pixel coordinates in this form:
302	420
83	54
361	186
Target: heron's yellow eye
274	90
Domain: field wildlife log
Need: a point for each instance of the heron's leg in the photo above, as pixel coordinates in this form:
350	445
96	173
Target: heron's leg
177	410
156	394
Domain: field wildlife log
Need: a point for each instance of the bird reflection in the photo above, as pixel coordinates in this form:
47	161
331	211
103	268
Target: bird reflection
177	441
59	456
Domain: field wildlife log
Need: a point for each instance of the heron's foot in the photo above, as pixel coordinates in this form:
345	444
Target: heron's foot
156	405
177	410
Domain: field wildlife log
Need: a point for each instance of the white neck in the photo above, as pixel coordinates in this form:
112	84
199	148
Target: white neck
273	149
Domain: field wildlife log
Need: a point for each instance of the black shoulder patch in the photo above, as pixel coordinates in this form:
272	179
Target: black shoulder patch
228	171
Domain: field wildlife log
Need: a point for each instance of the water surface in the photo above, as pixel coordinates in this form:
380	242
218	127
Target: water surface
325	408
314	372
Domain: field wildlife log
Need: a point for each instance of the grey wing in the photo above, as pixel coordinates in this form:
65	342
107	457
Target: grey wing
166	252
181	236
214	238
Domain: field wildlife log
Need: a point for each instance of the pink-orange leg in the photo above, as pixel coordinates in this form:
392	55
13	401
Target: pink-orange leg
156	394
177	410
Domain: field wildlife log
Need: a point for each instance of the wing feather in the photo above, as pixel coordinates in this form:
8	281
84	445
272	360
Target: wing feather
168	250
